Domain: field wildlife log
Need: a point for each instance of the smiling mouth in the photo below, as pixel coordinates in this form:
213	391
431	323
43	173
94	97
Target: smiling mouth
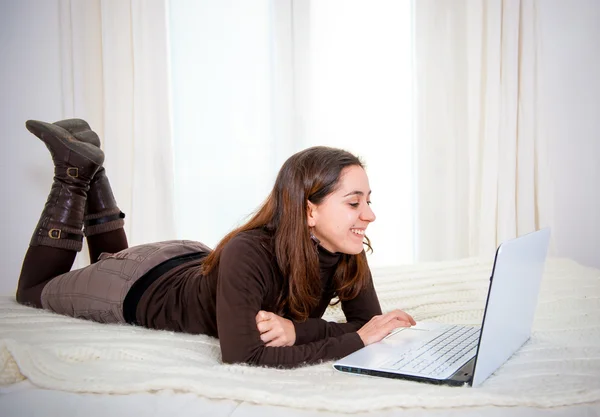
360	232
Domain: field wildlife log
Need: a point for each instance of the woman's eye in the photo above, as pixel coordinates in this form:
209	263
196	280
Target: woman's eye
368	202
354	204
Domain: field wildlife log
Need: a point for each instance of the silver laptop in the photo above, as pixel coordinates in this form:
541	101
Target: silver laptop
457	355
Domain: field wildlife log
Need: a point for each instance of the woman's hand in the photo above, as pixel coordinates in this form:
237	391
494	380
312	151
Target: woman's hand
380	326
275	331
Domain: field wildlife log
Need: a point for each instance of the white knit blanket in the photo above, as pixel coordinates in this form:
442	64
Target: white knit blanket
560	365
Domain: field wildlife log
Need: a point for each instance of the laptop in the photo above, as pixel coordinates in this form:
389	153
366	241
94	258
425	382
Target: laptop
466	355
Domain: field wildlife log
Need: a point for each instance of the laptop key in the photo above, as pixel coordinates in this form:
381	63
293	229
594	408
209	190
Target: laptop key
451	349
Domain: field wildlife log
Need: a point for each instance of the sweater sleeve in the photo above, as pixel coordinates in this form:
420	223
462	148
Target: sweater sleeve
358	312
244	281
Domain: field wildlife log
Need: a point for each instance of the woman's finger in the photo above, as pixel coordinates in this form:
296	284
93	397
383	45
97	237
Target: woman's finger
384	319
402	323
407	317
277	342
264	326
269	336
399	315
262	316
396	324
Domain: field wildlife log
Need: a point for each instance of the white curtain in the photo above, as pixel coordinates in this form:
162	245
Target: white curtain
115	75
355	92
231	102
481	157
254	82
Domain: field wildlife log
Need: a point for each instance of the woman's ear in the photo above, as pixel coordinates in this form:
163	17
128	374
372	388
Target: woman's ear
311	212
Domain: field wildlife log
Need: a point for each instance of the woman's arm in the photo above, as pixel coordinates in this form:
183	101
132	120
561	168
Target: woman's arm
246	279
358	312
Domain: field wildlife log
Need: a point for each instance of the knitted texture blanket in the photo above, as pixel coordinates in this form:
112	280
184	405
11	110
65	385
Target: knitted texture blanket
559	365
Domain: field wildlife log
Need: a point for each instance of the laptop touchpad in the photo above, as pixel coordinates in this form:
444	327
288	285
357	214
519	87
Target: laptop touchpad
407	336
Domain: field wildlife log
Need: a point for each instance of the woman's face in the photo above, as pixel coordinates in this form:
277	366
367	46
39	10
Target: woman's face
340	221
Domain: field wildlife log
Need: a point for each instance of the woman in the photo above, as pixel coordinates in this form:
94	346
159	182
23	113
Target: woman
262	291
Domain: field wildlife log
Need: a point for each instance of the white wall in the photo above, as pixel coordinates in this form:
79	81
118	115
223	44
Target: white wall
570	108
30	86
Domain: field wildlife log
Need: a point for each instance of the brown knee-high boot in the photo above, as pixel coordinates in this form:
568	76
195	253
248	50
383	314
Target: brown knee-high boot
103	221
58	235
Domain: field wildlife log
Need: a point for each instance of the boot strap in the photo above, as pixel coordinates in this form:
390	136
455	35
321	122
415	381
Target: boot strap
106	219
57	234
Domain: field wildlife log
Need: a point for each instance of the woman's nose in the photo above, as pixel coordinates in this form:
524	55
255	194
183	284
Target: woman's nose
368	214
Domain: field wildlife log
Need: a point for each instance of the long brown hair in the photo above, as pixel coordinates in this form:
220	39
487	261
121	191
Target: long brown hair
309	175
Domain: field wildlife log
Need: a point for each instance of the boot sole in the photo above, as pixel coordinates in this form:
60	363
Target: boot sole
49	133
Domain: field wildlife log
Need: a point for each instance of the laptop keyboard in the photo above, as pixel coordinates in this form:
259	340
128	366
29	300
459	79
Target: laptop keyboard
440	357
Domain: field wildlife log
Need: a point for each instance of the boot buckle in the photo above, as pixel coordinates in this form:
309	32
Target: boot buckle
73	172
54	233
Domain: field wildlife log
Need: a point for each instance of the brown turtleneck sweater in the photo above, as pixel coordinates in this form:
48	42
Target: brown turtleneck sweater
224	304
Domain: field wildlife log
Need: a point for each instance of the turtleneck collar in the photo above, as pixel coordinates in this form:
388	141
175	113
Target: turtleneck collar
327	259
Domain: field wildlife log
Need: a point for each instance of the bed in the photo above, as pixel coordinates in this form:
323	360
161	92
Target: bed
52	365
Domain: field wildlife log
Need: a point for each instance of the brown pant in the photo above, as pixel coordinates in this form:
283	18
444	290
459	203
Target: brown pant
97	291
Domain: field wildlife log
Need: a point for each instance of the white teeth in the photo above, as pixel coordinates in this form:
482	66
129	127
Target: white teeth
358	231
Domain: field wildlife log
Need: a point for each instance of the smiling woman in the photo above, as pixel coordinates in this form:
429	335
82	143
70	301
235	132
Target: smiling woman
262	291
341	220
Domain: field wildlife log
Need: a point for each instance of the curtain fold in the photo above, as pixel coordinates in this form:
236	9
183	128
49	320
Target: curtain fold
481	162
115	75
137	115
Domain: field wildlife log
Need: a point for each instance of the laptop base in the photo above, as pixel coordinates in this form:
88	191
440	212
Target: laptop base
464	376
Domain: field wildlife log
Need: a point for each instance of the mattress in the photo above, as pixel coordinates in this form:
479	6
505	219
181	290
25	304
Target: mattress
55	365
